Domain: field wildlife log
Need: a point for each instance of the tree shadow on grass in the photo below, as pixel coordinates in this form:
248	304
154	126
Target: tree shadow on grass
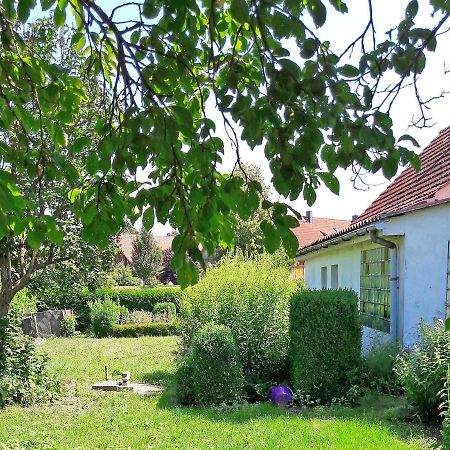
385	411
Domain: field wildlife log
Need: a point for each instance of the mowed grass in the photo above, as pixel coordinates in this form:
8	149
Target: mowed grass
84	419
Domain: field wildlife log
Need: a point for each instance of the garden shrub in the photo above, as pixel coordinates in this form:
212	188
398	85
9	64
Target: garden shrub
143	299
104	315
146	329
24	302
123	275
378	367
250	296
139	317
211	372
325	342
167	308
422	370
68	325
23	373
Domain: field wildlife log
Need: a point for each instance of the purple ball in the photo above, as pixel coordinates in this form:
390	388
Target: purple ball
280	395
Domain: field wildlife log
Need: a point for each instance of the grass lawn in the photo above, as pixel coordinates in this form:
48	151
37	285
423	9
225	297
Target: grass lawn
84	419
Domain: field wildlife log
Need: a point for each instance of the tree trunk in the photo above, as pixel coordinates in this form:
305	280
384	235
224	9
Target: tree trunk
6	297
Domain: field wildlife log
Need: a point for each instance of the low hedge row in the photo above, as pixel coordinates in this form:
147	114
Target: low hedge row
133	299
146	329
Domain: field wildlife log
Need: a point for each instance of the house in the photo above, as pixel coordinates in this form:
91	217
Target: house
125	245
311	229
396	254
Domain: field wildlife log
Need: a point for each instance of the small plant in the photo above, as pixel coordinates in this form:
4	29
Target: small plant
23	303
379	368
422	370
166	308
325	342
104	315
68	325
445	410
23	373
211	373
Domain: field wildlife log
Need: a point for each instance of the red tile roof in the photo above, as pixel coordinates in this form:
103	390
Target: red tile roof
307	232
410	191
125	244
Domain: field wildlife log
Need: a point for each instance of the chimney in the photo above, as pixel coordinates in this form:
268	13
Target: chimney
354	217
309	216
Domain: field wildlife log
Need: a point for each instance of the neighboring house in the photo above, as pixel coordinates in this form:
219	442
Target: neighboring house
125	244
311	229
395	255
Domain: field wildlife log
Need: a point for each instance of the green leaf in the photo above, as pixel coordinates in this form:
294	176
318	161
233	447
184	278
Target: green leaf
56	236
330	181
24	8
412	9
318	12
309	194
148	218
407	137
9	9
73	195
150	10
271	239
187	274
59	17
47	4
290	243
239	10
79	144
349	71
36	237
447	324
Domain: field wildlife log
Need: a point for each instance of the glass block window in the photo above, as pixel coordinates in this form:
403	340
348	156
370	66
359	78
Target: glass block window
323	277
447	302
375	296
334	276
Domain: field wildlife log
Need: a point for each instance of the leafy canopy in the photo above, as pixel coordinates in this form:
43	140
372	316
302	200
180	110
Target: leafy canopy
259	63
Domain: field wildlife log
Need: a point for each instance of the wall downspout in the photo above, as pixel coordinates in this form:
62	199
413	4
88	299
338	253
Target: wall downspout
394	319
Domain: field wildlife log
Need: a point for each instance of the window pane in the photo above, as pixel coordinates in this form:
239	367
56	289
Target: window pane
323	275
375	286
334	276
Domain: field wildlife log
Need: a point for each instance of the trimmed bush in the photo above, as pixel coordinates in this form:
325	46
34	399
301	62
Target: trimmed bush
211	373
422	370
325	342
143	299
68	325
167	308
104	315
250	296
146	329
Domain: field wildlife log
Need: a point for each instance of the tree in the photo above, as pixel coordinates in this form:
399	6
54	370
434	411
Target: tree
146	257
167	274
70	262
260	63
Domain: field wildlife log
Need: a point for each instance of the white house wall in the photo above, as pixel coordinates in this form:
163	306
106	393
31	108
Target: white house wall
423	269
422	240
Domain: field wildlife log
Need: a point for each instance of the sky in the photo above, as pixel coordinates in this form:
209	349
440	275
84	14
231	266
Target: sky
340	30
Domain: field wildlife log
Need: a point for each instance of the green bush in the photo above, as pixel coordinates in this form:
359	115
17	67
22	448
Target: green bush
23	303
68	325
146	329
23	373
422	370
104	315
325	342
250	296
140	317
123	275
211	373
143	299
167	308
378	367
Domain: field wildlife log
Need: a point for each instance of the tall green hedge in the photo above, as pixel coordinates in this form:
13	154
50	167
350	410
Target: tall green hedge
133	299
325	342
